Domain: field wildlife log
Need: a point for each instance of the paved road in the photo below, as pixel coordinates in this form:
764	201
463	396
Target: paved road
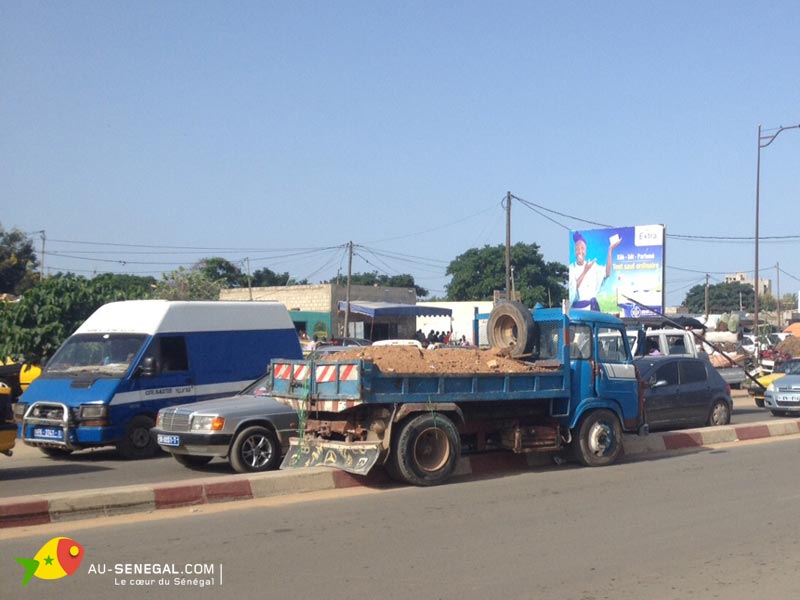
30	472
691	526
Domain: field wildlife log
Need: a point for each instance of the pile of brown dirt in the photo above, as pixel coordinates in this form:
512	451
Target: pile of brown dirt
791	345
412	360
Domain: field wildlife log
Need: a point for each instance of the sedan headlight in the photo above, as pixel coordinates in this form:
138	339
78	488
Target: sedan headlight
207	423
771	387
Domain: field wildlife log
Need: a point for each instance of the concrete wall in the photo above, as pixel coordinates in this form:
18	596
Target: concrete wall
325	297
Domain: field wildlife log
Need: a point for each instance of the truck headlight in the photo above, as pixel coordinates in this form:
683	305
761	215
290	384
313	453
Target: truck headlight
93	411
93	415
207	423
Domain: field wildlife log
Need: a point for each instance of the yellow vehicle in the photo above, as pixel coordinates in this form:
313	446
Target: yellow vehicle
790	367
18	376
8	430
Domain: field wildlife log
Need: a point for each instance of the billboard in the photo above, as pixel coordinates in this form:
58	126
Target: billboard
608	267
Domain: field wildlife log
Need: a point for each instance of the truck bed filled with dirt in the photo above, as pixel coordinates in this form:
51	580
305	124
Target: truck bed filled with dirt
442	361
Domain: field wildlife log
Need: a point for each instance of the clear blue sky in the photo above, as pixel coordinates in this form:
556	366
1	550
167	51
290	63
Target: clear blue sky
257	129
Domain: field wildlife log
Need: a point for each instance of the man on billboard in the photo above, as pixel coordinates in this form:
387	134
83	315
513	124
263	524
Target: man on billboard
586	276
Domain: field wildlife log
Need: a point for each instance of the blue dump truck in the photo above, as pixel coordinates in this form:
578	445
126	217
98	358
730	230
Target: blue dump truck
580	393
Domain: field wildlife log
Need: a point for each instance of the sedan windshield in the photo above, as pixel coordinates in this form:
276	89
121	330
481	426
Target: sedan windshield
260	387
100	355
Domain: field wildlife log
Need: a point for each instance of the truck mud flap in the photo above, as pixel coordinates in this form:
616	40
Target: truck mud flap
354	457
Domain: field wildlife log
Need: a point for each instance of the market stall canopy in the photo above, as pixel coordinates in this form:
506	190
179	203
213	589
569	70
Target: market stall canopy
794	329
390	309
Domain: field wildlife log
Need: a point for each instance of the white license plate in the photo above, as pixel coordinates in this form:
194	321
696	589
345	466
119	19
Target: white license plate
48	433
168	440
789	399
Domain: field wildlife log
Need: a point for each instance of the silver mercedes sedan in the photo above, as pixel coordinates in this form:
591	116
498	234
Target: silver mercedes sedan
251	430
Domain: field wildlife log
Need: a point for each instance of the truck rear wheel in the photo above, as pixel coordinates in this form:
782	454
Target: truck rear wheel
511	326
137	441
426	450
599	438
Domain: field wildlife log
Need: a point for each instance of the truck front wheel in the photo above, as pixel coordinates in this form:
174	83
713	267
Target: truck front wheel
426	450
599	438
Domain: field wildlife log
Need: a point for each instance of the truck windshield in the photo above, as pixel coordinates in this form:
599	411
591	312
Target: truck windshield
100	355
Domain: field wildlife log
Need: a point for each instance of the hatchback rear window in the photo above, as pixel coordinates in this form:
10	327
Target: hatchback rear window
692	372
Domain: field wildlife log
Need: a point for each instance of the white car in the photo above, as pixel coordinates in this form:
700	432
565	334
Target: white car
748	343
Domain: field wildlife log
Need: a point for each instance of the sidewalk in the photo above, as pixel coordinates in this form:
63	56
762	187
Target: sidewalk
87	504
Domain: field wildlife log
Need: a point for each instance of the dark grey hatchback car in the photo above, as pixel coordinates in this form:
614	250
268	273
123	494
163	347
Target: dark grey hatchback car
681	391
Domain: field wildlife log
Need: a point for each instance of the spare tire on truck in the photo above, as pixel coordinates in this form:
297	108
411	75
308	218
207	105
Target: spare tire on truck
511	326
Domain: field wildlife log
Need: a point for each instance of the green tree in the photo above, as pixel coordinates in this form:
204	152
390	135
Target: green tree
130	287
18	261
186	284
478	272
267	278
222	270
35	326
722	297
402	281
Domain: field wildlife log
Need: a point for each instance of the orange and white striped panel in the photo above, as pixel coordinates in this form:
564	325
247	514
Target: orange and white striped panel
327	373
289	371
348	373
283	371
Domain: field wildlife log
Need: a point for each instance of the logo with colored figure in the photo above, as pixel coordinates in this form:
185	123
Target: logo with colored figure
59	557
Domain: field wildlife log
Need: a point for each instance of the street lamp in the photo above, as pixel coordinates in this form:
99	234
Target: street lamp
763	142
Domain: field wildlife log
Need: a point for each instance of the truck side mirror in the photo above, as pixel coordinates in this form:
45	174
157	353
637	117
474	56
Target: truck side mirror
148	366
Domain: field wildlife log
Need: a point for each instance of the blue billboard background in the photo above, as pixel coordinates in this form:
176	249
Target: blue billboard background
619	264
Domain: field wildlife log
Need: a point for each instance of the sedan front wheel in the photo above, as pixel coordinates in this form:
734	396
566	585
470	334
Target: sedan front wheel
255	449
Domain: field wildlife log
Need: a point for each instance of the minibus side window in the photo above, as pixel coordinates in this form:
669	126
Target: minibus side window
173	354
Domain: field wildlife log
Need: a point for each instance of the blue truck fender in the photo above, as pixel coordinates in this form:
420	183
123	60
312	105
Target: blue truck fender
591	404
450	408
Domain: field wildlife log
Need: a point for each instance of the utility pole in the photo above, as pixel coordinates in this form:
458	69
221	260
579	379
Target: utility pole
249	279
508	245
41	272
706	298
778	277
513	287
347	294
763	141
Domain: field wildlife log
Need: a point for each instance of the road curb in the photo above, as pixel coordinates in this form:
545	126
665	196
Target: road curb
86	504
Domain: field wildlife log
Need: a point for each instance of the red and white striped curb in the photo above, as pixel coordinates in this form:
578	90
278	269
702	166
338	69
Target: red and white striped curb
86	504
